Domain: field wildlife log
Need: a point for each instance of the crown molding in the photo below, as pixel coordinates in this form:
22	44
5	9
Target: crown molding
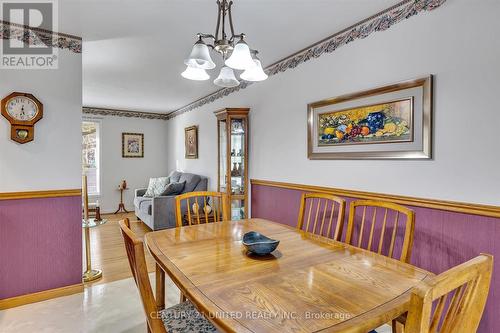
123	113
36	36
378	22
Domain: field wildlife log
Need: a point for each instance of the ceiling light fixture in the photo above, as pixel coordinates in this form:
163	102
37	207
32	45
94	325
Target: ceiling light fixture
196	74
235	52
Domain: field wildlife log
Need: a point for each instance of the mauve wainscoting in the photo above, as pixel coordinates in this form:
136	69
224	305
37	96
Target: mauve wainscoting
40	244
442	239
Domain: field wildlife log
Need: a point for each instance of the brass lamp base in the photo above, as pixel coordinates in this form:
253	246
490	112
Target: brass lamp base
92	275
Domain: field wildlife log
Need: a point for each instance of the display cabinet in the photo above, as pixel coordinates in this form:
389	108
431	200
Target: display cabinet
232	130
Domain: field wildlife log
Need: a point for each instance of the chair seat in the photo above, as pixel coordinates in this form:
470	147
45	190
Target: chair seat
184	318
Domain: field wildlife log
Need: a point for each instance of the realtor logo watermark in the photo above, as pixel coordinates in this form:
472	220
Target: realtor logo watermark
29	48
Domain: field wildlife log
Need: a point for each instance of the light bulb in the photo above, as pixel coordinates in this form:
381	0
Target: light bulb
200	57
240	58
196	74
254	74
226	78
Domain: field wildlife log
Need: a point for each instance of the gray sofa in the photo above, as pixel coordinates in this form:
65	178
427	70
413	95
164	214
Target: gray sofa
159	212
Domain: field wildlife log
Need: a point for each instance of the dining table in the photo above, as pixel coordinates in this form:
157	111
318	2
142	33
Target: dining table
309	283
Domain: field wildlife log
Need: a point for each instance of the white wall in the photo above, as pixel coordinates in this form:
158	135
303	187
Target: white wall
53	159
136	171
457	42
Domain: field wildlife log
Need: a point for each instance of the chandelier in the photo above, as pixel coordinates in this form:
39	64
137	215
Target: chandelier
234	51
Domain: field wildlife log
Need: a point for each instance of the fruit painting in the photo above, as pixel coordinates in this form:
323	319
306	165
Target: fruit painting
379	123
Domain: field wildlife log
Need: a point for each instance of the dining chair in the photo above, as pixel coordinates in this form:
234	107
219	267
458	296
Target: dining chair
452	302
201	207
326	210
182	317
382	227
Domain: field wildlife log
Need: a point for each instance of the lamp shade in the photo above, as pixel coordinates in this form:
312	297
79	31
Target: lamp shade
200	57
196	74
226	78
240	58
254	74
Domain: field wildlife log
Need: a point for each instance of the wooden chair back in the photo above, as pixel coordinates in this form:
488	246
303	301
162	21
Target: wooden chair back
380	228
322	214
200	213
137	261
452	302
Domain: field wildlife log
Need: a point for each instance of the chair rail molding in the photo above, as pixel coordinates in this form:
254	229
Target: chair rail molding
378	22
36	36
451	206
40	194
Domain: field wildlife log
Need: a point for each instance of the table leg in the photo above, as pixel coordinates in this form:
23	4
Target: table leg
160	288
397	327
89	274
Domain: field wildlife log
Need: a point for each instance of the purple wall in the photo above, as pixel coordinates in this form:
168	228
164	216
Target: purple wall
442	239
40	244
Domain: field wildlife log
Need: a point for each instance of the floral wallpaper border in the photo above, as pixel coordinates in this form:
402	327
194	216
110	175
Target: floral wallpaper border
35	36
379	22
124	113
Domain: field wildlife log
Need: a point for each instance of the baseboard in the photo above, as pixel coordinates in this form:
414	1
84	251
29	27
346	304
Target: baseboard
111	211
12	302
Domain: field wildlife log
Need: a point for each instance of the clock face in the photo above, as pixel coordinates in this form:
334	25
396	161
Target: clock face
22	108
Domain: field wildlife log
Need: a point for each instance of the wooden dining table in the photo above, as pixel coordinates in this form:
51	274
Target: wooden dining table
308	284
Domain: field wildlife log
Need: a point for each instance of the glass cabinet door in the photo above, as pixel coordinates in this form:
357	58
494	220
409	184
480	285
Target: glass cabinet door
238	131
237	209
237	156
222	156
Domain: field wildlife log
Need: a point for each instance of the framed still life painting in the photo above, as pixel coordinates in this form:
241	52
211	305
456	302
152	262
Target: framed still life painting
132	145
390	122
191	142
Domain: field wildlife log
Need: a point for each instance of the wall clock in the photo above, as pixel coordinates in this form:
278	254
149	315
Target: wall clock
22	110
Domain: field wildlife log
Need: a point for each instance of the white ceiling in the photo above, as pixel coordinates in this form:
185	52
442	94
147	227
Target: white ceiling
133	51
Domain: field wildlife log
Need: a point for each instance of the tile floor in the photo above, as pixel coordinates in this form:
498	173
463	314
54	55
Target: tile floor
113	307
105	308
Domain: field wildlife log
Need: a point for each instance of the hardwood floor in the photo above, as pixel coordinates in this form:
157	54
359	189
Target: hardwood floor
108	248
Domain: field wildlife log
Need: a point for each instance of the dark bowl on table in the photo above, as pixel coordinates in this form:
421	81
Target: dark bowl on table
259	244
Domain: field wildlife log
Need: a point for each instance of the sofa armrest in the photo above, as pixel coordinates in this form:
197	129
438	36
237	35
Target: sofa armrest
163	212
139	192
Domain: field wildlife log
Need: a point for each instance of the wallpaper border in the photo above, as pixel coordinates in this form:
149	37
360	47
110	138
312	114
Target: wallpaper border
123	113
378	22
35	36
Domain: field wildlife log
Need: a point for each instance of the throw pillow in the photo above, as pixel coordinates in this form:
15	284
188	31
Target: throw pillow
175	176
156	186
174	188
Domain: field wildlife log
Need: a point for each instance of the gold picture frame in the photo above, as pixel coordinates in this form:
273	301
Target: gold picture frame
132	145
389	122
191	142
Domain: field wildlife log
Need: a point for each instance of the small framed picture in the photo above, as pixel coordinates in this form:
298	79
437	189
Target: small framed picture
191	142
132	145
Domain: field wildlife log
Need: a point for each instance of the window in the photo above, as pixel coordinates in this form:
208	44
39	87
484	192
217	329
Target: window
90	155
